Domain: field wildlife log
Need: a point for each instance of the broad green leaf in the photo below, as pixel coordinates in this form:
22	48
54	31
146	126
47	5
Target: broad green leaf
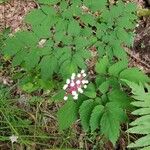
41	31
79	61
96	5
19	58
67	115
88	19
48	65
95	117
49	2
73	28
81	42
28	39
102	65
12	46
59	96
67	68
85	113
118	51
103	88
116	68
110	124
32	59
120	98
35	17
134	75
90	91
99	80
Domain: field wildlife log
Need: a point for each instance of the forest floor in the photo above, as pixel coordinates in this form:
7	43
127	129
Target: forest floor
11	16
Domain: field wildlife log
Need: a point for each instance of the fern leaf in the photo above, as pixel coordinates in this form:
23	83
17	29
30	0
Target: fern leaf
134	75
141	124
144	141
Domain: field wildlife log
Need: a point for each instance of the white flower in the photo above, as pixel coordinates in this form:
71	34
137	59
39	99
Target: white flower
85	81
65	98
73	76
65	86
84	74
68	81
85	86
82	71
79	75
78	82
80	90
13	138
74	92
76	96
72	84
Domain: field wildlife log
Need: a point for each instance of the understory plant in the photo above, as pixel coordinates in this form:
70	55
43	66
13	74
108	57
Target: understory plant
61	35
141	95
103	105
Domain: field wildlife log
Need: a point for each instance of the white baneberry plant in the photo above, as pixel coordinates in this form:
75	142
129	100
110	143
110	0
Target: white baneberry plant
102	106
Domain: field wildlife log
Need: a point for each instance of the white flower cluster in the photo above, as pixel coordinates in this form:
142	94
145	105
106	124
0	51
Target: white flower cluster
74	85
13	138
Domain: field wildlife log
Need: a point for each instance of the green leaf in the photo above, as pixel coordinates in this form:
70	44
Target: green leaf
19	58
116	68
85	112
120	98
42	31
102	65
35	17
32	59
141	111
79	61
104	86
95	117
74	28
118	51
50	2
141	120
134	75
28	39
144	141
90	91
67	115
59	96
140	129
96	5
12	46
110	122
99	80
67	68
48	65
